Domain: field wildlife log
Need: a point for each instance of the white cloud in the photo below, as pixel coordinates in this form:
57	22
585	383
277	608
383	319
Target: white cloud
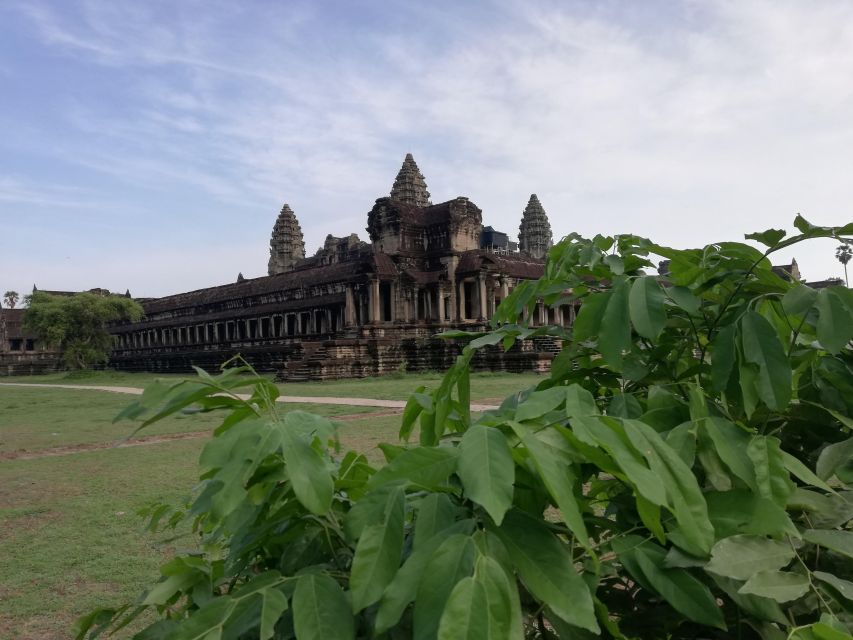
706	122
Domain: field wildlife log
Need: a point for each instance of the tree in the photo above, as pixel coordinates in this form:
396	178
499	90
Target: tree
684	471
11	298
77	325
843	253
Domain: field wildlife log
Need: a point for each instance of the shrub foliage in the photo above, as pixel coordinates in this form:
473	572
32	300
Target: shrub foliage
685	471
77	325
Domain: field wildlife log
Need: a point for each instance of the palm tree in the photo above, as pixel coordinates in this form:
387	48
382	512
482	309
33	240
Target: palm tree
11	298
843	254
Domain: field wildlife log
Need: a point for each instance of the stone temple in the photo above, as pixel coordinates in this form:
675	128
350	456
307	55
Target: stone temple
357	308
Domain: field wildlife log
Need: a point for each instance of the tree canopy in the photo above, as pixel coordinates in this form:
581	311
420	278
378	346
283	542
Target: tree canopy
11	299
77	325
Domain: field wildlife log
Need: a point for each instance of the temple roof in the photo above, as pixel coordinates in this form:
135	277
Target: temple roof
511	264
339	272
410	186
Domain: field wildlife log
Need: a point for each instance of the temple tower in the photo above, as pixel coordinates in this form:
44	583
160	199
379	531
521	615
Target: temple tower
534	234
410	186
287	245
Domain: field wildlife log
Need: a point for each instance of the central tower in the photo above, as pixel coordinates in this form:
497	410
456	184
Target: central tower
410	186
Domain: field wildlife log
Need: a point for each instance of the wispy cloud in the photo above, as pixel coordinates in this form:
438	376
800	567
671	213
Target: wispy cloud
683	121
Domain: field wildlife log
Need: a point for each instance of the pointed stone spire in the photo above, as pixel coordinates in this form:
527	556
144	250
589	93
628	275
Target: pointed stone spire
287	246
534	234
410	186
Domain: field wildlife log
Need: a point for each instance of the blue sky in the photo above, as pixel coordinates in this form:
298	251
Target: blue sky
150	145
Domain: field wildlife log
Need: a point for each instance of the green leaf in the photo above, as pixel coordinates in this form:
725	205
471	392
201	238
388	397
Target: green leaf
487	470
740	556
207	622
731	443
835	321
588	321
838	541
580	402
546	567
310	478
377	555
453	561
559	478
538	403
688	503
743	511
593	431
723	357
771	476
646	562
404	587
842	587
684	299
423	466
614	336
833	457
781	586
646	305
679	588
761	346
321	610
761	608
274	605
436	513
803	225
801	471
465	615
769	238
504	621
799	300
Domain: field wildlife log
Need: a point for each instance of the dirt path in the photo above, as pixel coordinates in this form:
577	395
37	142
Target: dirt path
352	402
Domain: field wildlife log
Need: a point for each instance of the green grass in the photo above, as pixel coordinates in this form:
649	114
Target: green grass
34	419
484	386
69	537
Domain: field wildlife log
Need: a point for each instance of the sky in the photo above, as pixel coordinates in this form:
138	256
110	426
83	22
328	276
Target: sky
149	146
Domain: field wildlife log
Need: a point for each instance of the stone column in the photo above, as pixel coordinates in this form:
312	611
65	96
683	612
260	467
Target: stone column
454	306
504	289
440	293
374	301
484	309
349	310
461	300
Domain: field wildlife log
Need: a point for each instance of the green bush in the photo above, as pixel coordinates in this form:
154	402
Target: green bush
684	472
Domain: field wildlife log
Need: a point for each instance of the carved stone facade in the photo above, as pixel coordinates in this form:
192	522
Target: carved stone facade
534	234
354	308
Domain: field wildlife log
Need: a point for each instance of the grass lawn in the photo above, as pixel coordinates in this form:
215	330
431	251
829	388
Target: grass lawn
484	386
33	419
69	536
70	539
